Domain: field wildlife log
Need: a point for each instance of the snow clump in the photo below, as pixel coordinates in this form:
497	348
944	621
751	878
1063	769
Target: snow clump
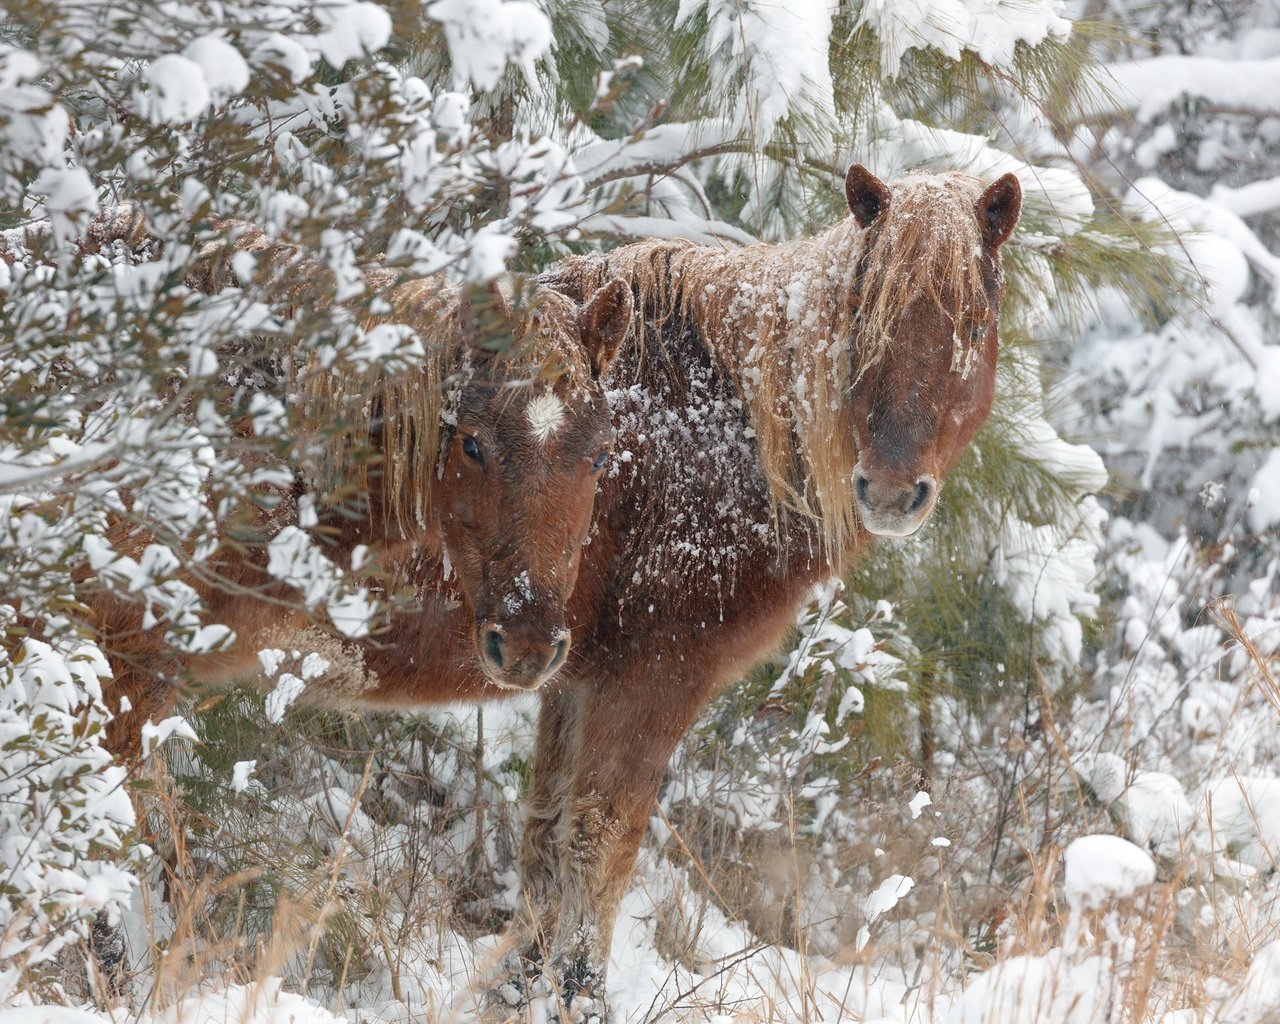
1102	868
483	35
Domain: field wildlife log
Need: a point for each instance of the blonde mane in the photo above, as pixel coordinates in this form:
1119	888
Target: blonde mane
795	326
394	421
929	245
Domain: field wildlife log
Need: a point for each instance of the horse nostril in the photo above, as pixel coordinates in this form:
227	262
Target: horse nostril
924	490
558	653
493	647
863	488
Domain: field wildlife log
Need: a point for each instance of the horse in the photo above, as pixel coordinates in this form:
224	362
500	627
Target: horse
776	408
468	519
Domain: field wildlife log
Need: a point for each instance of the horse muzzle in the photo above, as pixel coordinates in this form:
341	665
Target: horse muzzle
892	507
520	659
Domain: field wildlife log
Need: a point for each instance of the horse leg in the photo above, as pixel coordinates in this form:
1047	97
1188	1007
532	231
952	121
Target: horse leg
539	859
623	741
539	856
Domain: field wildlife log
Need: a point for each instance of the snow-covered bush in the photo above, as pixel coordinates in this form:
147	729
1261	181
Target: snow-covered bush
64	814
1186	410
1186	416
125	132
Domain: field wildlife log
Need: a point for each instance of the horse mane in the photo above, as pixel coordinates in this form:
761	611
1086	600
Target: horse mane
399	417
929	244
795	326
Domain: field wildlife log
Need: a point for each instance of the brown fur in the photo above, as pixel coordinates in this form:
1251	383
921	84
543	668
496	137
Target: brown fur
793	326
740	490
465	548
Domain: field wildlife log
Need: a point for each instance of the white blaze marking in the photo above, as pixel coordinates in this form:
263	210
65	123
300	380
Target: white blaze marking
545	414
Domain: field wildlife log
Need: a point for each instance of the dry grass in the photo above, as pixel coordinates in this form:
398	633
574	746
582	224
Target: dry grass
1224	613
409	864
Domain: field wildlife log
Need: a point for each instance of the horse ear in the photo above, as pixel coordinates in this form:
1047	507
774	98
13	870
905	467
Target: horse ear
604	322
867	195
998	209
486	318
501	304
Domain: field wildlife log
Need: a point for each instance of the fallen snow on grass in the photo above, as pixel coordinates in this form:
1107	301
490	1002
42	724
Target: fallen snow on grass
1104	868
1051	989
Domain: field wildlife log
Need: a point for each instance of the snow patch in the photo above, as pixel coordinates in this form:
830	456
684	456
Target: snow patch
177	90
484	35
1102	868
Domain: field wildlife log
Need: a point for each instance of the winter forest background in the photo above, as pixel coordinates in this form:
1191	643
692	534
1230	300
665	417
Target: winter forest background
872	828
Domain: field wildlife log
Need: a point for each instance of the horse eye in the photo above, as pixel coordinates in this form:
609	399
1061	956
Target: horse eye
598	462
471	449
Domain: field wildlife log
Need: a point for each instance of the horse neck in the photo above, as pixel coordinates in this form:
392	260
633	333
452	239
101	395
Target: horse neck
778	322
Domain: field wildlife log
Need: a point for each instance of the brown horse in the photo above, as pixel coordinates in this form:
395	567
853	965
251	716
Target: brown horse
471	515
777	407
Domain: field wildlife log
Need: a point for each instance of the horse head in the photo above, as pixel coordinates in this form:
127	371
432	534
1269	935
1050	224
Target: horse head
929	286
529	437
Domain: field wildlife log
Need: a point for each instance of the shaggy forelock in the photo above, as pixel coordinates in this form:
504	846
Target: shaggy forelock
927	247
408	409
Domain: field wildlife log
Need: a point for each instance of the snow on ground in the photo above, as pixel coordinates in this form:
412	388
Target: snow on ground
678	957
260	1003
1103	868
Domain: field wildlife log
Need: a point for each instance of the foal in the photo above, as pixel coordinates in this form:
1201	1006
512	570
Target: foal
780	405
472	518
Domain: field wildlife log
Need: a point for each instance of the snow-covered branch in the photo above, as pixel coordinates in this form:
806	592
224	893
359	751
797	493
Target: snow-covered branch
656	151
1146	87
695	229
1251	200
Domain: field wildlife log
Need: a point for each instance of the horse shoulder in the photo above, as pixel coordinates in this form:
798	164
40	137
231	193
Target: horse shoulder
685	571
